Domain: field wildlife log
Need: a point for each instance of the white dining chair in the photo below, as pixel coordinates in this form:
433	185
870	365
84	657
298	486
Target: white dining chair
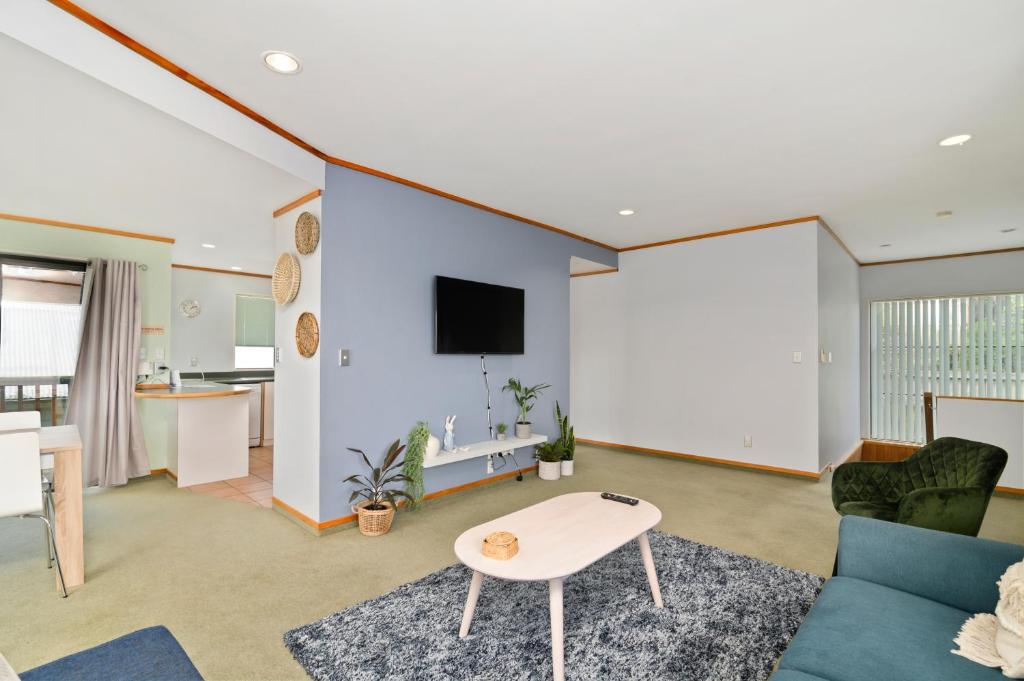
25	420
21	487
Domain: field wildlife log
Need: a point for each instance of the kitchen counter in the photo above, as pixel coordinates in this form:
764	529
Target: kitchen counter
190	391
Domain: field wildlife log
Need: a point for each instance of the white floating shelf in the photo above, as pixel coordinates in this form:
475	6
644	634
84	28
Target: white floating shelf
484	448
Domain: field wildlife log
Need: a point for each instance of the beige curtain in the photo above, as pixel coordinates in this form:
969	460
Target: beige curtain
102	402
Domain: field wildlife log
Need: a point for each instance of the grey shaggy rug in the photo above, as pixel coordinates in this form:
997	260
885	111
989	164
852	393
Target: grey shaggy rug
726	617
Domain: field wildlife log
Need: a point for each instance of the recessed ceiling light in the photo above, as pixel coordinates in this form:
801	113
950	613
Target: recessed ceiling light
236	268
627	211
884	245
954	141
944	214
209	246
281	62
1008	230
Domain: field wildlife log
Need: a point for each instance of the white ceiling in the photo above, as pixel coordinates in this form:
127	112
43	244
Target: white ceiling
699	115
77	150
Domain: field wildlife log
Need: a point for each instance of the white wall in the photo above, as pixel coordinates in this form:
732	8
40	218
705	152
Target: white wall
297	381
689	347
210	337
996	273
838	339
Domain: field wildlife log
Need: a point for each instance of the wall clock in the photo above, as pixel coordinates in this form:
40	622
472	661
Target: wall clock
190	308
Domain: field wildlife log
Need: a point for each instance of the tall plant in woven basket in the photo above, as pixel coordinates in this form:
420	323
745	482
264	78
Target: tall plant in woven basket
377	509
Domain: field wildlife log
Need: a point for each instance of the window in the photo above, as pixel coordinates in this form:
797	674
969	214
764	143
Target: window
40	318
964	346
254	332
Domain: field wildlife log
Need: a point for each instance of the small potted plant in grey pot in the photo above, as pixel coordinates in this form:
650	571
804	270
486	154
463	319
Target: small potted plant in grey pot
549	460
524	396
502	429
566	439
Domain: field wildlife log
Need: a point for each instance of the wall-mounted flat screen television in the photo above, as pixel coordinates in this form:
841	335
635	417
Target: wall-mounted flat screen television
472	318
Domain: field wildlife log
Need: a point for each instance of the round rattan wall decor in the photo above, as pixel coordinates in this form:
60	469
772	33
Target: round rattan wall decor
307	233
286	280
307	334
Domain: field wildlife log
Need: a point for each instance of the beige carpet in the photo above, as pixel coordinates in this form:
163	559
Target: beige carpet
229	579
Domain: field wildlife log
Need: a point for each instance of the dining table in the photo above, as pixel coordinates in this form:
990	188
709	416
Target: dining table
65	444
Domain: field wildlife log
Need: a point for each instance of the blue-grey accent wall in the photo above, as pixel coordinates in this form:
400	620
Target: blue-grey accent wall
383	243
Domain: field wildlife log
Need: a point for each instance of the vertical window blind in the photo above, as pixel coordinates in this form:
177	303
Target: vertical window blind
969	346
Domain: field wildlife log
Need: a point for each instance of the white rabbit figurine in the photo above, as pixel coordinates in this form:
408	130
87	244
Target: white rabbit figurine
449	433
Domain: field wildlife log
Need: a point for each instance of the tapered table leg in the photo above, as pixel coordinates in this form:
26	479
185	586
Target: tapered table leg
652	575
557	642
467	613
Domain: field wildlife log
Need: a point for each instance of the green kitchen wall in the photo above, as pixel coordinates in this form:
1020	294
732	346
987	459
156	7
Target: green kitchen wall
25	238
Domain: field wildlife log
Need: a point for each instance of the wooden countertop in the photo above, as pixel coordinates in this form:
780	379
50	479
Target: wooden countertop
192	391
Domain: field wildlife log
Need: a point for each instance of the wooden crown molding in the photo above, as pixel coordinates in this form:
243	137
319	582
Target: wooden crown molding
85	228
305	198
179	266
723	232
969	254
592	273
169	66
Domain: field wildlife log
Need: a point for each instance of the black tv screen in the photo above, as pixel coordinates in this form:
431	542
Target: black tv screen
471	318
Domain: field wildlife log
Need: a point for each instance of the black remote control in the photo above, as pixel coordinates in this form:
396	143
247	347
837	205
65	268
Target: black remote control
619	498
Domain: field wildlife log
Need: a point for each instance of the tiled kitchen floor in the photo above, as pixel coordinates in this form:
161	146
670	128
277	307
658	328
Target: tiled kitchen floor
257	488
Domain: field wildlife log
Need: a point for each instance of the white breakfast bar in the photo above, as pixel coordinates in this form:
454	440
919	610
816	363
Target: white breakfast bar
557	538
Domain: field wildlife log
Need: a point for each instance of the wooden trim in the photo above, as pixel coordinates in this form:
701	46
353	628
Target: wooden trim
305	198
839	241
229	391
179	266
980	399
929	417
327	524
944	257
85	228
166	64
703	459
1017	491
724	232
887	450
468	202
172	474
590	274
158	471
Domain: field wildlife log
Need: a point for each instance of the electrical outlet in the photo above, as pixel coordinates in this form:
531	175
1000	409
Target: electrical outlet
748	440
158	353
490	464
798	357
193	362
277	355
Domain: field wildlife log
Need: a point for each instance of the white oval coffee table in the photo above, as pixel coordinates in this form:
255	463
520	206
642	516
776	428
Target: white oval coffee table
557	538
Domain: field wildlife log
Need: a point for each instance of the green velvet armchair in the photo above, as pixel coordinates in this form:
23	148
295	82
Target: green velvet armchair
946	485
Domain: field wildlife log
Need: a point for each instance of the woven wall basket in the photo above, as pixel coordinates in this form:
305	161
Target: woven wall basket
286	280
307	334
307	233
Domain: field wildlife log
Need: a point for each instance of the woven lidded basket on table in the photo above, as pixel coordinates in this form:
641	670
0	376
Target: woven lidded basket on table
501	545
307	233
286	280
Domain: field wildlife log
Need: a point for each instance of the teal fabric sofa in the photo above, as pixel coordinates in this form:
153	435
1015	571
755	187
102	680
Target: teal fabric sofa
899	597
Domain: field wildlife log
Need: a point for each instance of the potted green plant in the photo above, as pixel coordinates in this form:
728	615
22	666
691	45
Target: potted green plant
567	439
502	429
524	396
412	469
377	509
549	460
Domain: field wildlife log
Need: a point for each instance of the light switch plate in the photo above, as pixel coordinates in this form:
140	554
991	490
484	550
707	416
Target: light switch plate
343	357
748	440
798	357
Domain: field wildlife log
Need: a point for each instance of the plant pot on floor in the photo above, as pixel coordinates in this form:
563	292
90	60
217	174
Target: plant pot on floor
549	470
524	430
567	466
374	523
